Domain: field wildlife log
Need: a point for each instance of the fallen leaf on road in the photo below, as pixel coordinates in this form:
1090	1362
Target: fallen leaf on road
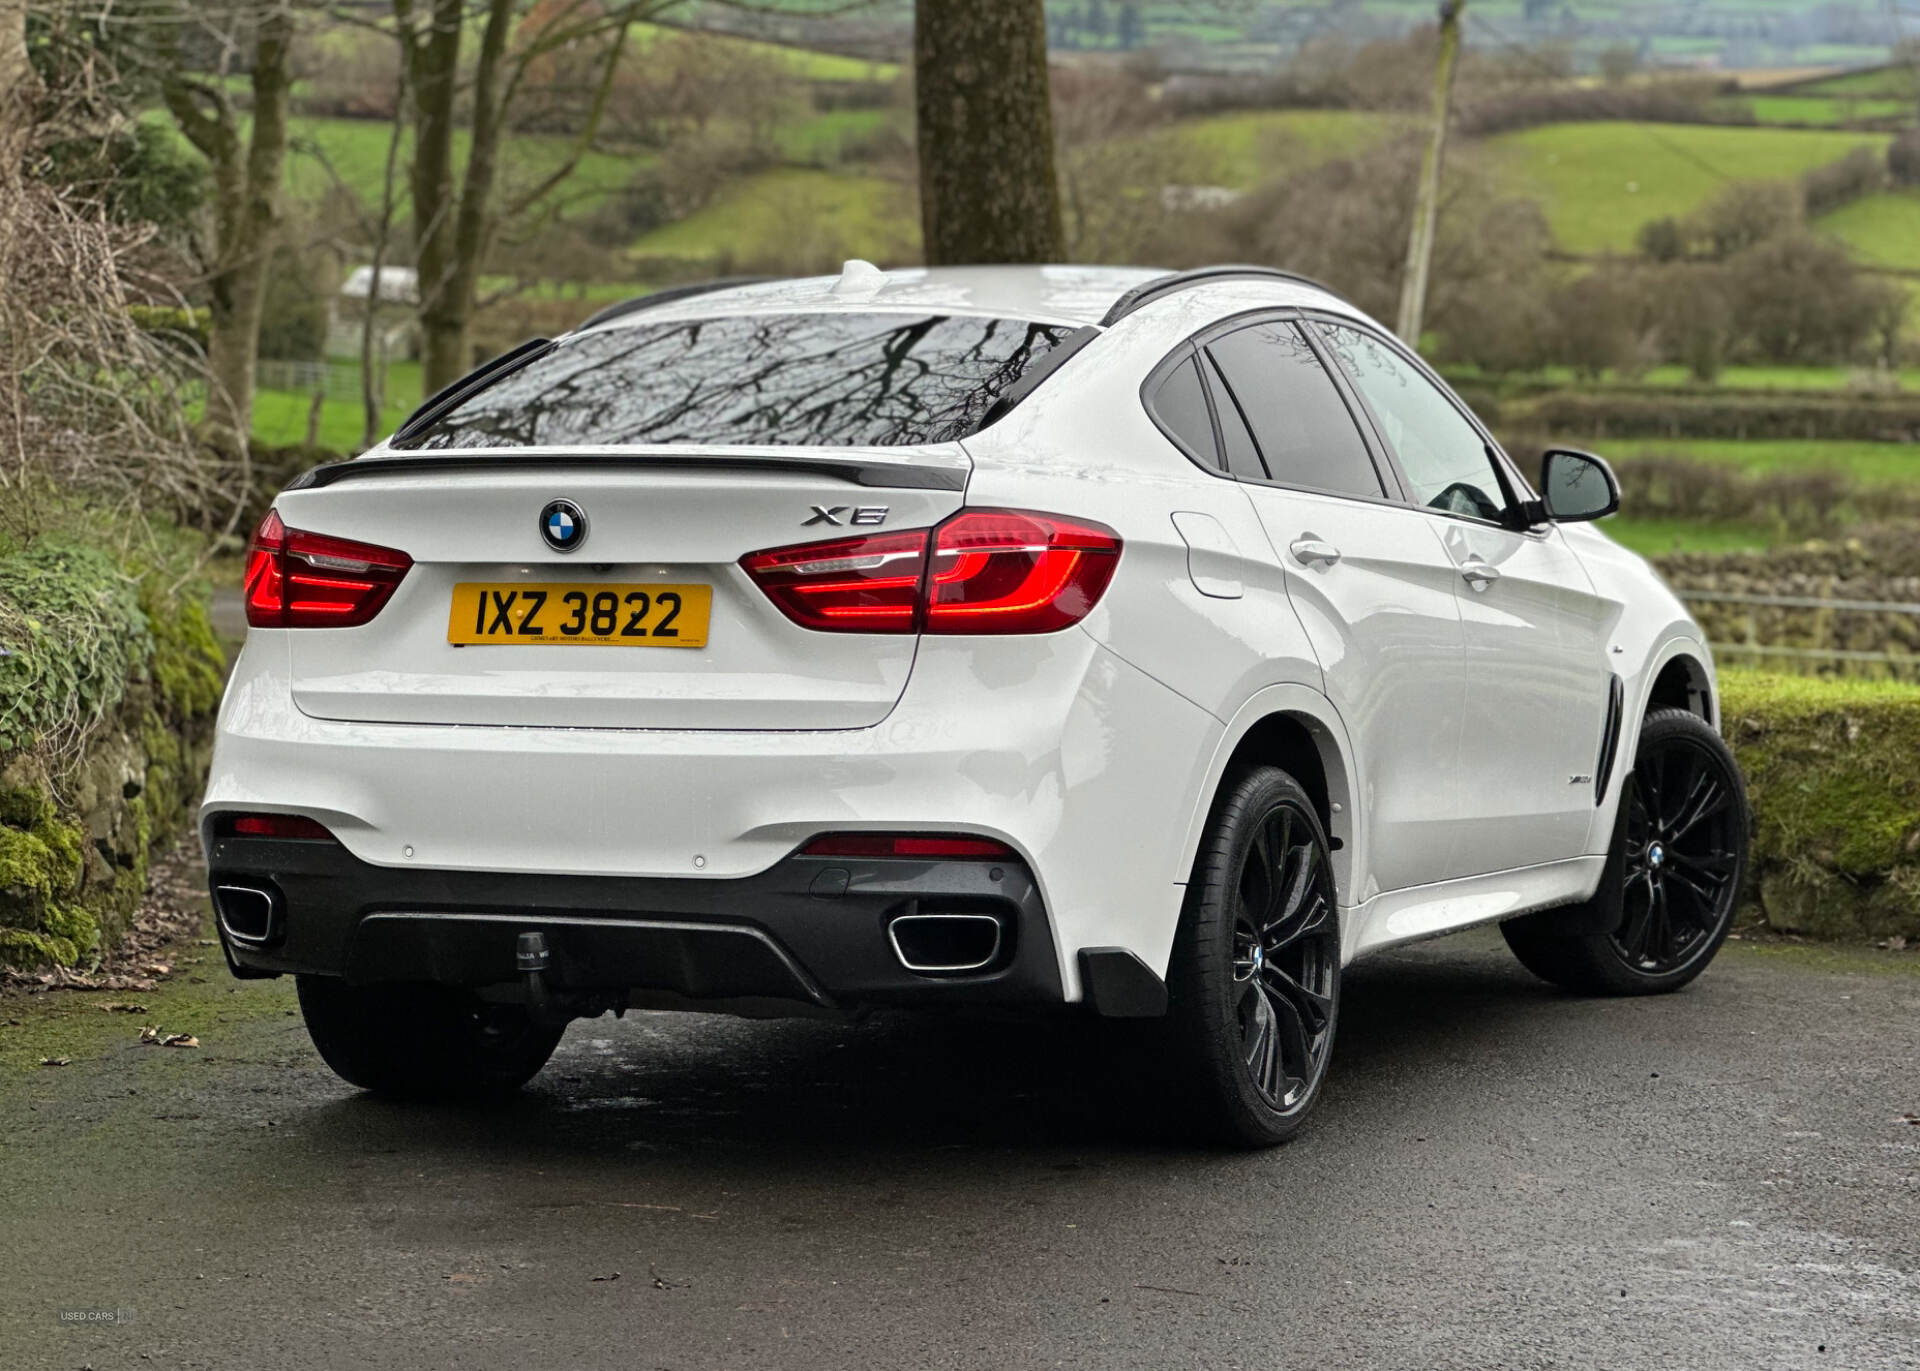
597	1279
149	1034
123	1007
55	1061
156	968
180	1040
660	1282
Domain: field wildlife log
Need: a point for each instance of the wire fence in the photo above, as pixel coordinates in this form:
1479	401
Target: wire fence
1814	619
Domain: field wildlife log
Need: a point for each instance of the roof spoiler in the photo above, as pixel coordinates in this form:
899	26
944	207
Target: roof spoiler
671	294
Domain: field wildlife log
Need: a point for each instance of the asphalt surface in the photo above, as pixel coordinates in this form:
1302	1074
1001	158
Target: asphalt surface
1499	1176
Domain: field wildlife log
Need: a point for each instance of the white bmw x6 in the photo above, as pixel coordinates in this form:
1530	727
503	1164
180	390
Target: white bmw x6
1071	639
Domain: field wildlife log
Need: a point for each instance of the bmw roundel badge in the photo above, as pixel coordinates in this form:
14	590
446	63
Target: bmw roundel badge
564	525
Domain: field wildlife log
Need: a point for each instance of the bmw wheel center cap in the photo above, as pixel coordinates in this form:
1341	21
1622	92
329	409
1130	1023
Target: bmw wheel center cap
564	525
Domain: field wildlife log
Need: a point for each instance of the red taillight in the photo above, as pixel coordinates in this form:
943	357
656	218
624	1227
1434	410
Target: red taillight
275	826
906	845
991	571
849	585
1004	571
309	580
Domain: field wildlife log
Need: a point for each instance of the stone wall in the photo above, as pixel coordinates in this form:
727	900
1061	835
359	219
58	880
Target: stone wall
106	746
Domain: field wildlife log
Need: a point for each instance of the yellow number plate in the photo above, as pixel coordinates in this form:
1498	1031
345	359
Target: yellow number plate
601	614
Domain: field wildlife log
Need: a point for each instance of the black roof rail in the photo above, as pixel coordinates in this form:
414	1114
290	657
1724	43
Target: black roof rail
669	295
1159	286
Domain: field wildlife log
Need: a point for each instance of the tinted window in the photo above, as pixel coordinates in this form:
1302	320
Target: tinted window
1443	455
788	379
1180	404
1243	458
1297	416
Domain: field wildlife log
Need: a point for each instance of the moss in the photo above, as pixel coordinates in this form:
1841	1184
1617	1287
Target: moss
37	868
188	667
23	947
71	623
1830	769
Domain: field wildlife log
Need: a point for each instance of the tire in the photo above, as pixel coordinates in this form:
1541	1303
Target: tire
1673	875
1254	979
416	1042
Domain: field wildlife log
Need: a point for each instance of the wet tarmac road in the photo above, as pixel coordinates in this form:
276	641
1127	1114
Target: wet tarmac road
1500	1176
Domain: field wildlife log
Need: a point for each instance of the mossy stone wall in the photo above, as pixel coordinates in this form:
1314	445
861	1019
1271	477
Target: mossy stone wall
1833	772
108	690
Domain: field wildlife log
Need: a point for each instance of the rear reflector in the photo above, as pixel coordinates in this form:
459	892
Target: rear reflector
297	826
296	579
906	845
982	571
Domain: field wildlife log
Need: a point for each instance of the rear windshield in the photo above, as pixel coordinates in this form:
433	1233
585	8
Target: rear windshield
882	380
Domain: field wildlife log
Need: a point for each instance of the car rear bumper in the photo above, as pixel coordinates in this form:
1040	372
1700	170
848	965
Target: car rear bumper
807	932
1085	767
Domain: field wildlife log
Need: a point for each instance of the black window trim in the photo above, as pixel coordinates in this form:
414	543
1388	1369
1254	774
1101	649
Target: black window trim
1191	347
1161	373
1518	487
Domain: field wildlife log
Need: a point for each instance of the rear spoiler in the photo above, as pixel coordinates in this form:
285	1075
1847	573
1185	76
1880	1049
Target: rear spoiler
857	470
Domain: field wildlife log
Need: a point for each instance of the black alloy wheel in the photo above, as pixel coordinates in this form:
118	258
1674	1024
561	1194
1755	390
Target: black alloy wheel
1254	980
1672	882
1285	958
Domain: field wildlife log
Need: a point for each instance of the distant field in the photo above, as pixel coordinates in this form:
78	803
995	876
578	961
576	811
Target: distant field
1598	182
1822	109
1864	463
1657	537
806	63
1883	230
1895	81
1245	149
816	218
1731	378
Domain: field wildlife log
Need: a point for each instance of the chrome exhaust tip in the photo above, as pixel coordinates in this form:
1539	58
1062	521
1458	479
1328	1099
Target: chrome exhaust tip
945	944
248	915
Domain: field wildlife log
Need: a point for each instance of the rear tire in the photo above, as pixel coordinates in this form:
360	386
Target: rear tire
416	1042
1254	980
1674	875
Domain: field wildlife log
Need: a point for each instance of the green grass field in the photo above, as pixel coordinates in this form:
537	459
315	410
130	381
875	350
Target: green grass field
1882	230
1896	82
1756	377
1867	464
806	63
1823	109
808	219
1599	182
1244	149
1657	537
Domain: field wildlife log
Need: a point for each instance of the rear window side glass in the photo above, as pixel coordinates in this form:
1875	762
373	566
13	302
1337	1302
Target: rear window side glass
1302	425
827	379
1243	458
1180	405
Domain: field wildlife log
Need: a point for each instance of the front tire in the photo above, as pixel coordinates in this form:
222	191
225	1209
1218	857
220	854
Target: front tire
1680	855
416	1042
1254	980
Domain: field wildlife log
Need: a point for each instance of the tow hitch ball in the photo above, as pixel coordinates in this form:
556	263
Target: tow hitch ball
531	958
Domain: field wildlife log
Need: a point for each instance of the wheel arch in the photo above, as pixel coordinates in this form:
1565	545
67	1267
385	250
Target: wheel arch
1683	681
1296	729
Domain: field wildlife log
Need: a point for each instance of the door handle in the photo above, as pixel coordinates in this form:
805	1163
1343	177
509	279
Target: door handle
1307	551
1479	574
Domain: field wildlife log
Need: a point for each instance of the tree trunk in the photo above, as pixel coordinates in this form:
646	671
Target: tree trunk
246	182
17	89
987	186
433	64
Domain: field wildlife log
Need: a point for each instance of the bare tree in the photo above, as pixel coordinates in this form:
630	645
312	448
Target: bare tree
246	170
457	216
987	186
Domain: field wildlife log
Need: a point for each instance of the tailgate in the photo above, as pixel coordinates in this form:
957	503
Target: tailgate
657	527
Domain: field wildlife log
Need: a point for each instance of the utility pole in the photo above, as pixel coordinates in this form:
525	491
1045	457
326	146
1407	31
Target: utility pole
1426	203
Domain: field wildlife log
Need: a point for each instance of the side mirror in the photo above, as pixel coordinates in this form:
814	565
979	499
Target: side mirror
1576	486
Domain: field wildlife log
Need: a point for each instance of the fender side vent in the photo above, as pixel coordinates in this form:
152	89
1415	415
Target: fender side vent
1609	739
